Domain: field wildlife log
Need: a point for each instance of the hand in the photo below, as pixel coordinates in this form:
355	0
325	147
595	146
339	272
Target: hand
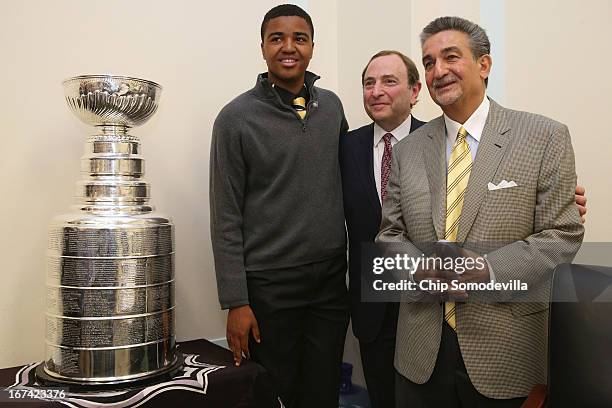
439	277
478	270
425	273
581	202
240	322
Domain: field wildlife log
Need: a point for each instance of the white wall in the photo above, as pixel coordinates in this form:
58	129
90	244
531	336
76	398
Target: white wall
555	60
558	64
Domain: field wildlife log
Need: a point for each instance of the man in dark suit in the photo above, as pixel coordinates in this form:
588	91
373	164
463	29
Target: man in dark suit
390	89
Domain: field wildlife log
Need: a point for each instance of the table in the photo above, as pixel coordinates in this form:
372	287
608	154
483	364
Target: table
208	379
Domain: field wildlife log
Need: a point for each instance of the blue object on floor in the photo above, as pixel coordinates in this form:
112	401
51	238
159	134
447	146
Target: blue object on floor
351	395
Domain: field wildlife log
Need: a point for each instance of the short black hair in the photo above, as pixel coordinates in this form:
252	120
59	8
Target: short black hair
286	10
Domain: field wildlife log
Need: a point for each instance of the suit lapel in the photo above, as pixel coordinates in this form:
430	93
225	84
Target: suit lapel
365	163
434	155
491	150
415	124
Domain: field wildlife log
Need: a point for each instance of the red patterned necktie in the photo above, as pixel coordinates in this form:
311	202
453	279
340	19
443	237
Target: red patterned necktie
385	168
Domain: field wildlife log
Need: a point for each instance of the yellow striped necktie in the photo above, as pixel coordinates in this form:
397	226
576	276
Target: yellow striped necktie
458	174
299	104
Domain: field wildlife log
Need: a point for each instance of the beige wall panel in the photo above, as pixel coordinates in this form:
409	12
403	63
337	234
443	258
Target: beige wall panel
558	59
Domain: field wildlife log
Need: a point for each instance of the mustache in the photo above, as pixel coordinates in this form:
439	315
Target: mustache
445	80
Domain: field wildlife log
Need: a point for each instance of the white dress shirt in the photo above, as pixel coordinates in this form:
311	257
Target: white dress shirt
398	133
474	126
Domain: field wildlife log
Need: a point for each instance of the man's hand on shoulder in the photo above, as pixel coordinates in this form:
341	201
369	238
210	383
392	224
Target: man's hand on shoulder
581	202
240	322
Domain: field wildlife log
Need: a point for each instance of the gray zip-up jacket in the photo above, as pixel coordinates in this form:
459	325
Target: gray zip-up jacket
275	189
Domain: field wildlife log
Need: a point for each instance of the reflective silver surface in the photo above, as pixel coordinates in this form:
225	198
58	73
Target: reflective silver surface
110	269
113	100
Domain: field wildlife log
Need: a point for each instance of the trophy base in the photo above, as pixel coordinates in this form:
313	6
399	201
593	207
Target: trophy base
167	373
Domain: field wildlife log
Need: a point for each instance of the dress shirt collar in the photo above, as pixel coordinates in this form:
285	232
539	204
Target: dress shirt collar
287	97
399	132
474	125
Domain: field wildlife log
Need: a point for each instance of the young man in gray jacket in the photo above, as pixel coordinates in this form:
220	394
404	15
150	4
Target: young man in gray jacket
277	220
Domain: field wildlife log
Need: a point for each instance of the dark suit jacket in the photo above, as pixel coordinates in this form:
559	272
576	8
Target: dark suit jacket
362	212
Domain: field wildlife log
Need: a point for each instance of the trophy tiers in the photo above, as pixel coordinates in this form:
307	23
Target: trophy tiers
110	264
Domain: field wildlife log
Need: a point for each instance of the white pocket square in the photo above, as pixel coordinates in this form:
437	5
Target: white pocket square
502	184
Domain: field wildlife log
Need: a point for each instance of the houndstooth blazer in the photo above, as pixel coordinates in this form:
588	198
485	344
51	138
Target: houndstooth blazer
527	230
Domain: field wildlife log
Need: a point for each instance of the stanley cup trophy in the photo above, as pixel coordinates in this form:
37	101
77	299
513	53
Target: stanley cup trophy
110	271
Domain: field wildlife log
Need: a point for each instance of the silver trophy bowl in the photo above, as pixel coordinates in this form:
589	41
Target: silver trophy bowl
110	263
112	100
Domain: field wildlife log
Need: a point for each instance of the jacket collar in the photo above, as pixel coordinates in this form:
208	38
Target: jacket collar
491	149
263	87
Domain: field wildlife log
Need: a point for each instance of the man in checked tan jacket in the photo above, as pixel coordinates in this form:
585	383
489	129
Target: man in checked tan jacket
513	199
